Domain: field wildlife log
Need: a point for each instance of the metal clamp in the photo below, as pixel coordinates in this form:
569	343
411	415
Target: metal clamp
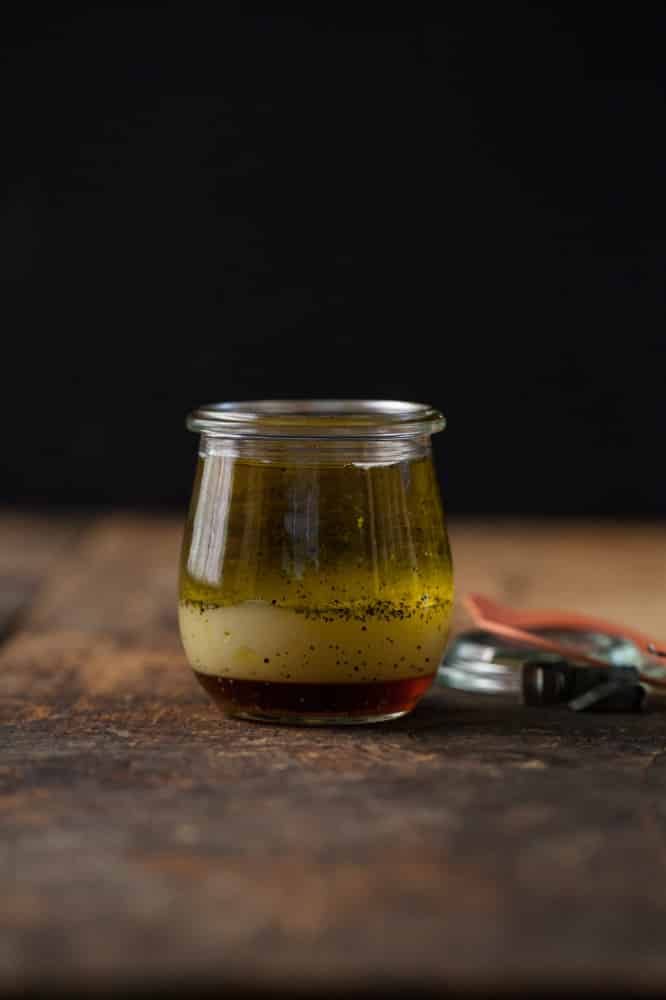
478	662
617	689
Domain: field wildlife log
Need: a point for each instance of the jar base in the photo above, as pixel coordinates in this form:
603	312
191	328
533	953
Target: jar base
292	719
315	704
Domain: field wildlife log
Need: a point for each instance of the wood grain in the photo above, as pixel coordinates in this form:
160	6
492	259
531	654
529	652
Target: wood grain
614	570
474	847
28	546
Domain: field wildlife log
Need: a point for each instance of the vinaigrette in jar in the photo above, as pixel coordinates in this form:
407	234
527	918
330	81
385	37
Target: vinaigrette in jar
316	580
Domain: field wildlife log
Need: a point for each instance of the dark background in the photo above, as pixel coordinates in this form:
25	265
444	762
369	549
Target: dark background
467	212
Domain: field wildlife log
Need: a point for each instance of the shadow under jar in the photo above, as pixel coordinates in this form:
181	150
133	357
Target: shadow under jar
316	582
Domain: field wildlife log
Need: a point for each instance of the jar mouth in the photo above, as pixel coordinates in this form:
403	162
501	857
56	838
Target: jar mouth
317	418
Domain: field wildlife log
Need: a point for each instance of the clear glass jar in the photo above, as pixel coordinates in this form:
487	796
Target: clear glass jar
316	581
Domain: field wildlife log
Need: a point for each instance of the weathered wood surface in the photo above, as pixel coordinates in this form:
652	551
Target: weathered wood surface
471	847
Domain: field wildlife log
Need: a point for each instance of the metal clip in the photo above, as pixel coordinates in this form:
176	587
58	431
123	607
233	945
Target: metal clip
583	688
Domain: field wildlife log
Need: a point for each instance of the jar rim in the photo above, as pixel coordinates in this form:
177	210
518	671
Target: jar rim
316	418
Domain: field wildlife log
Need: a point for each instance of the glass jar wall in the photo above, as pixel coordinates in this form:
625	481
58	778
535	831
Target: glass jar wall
316	581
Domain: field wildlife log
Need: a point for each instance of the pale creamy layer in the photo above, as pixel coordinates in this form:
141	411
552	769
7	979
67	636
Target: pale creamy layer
256	641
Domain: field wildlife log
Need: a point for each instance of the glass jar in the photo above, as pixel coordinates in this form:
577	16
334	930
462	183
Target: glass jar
316	582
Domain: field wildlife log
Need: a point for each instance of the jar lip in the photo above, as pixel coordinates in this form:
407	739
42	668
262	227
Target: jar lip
316	418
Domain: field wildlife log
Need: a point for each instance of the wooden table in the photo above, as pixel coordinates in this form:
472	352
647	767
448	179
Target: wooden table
472	847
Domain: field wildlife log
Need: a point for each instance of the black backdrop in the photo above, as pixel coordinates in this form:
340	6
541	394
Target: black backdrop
467	212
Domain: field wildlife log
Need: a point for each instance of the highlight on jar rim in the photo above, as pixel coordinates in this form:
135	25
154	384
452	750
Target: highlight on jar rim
366	418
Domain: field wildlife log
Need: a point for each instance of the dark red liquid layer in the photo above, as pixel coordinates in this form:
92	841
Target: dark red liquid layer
279	700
